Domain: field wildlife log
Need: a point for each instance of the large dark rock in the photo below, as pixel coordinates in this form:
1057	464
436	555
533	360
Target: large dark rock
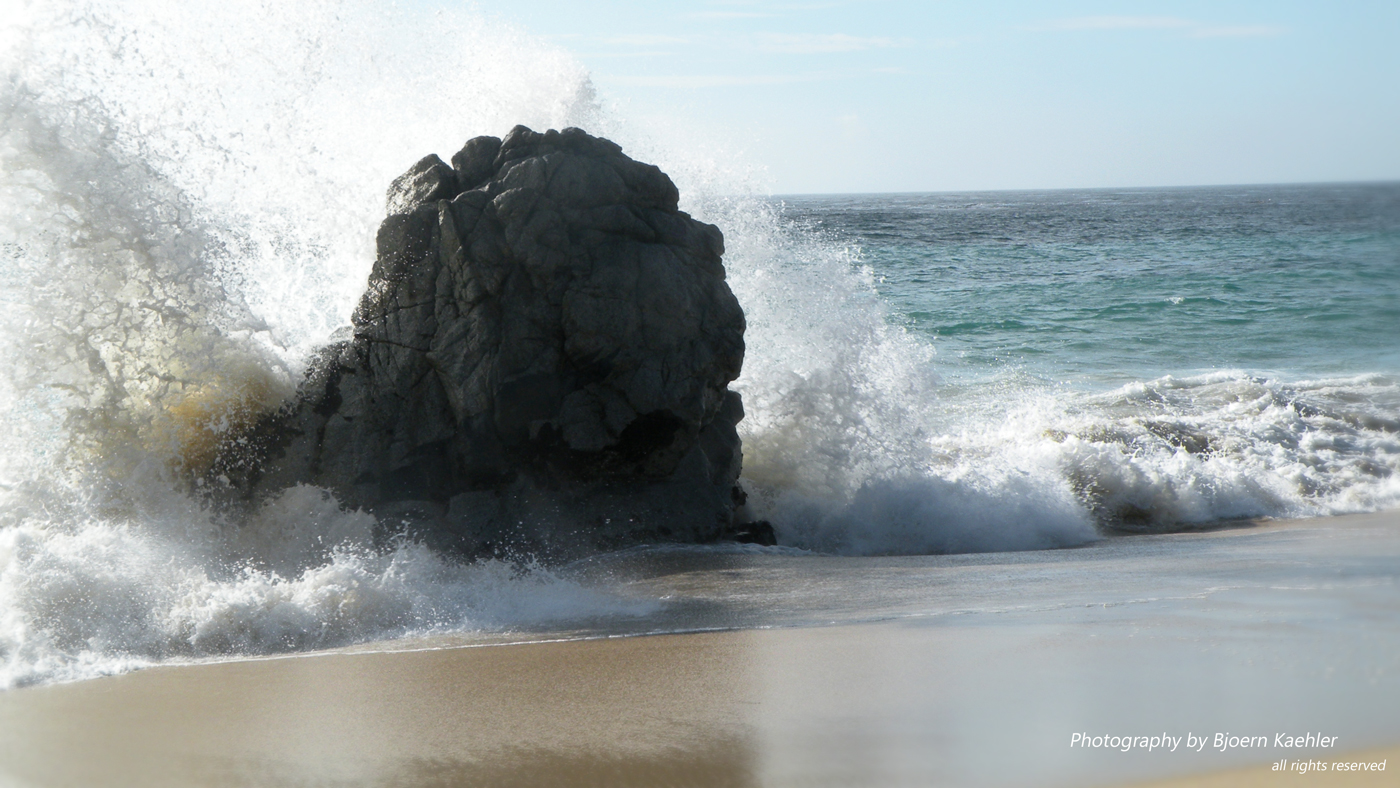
541	360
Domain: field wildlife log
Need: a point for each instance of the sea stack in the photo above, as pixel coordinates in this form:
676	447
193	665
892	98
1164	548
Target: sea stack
541	362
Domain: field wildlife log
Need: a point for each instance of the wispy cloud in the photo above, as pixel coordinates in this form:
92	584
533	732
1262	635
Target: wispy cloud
645	40
1242	31
730	15
1187	27
691	81
750	9
818	43
770	43
641	53
1119	23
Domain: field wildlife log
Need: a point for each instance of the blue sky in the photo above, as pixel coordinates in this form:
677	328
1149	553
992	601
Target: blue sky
887	95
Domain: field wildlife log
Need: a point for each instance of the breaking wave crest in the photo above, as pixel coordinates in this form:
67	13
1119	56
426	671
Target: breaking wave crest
91	596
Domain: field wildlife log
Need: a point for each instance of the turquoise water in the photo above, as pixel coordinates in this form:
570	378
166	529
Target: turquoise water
1098	287
1149	359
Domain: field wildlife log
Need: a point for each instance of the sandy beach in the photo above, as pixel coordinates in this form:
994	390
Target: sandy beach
985	695
734	393
1267	777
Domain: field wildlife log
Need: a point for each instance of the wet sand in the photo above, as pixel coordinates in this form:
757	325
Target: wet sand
986	698
1267	777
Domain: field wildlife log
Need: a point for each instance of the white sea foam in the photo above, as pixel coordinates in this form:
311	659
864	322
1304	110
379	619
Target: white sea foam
88	597
187	209
189	199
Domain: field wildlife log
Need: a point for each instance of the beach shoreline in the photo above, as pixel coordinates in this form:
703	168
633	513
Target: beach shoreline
978	697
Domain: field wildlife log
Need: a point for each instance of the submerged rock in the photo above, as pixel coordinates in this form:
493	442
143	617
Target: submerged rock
541	359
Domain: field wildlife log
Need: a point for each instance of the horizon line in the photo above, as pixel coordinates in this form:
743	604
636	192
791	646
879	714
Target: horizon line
1371	182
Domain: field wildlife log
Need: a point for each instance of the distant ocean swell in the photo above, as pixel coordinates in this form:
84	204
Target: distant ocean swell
187	211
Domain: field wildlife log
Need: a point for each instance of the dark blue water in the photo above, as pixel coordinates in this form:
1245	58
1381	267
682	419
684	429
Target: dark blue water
1101	286
1148	358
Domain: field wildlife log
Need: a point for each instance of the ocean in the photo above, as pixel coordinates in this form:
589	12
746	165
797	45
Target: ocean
184	220
1172	356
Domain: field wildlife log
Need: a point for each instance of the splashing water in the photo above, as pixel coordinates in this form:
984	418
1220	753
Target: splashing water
190	196
187	209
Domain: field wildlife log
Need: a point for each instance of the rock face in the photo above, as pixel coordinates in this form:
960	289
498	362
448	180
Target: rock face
541	359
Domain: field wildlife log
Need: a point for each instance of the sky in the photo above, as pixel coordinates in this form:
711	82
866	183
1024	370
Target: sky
899	96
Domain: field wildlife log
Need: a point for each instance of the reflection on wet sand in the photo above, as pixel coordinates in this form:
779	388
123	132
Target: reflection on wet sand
602	712
717	764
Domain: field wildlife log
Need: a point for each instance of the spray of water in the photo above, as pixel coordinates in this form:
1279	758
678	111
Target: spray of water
188	197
